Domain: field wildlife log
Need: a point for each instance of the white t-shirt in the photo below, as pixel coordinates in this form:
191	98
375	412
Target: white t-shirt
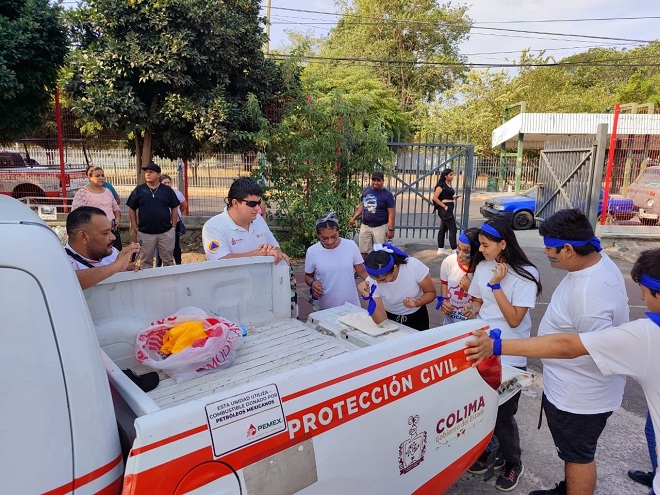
451	273
77	265
631	349
588	300
221	236
519	291
334	269
181	198
405	285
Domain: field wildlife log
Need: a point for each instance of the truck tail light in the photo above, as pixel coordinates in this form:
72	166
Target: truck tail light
491	371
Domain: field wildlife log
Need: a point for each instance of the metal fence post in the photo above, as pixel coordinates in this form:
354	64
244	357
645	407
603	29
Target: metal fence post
599	164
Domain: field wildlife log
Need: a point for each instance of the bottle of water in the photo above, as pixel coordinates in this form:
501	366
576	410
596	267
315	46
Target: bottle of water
244	330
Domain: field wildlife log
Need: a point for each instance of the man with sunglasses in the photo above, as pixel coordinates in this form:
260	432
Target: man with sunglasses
239	231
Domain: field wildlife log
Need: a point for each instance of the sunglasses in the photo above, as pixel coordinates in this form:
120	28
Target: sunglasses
251	204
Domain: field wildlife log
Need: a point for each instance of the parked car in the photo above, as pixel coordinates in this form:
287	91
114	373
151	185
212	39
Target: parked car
518	209
644	193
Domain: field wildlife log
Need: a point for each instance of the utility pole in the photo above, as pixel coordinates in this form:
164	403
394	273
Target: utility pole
267	46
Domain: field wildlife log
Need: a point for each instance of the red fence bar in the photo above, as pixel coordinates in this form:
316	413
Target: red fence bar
610	164
60	145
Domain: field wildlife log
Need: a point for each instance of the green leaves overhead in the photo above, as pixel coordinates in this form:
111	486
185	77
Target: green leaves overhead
176	68
32	49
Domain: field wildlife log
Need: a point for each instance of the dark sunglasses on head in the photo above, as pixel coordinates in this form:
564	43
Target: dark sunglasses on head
251	204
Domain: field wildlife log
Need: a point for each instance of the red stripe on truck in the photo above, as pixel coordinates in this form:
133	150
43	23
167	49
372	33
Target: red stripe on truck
342	378
307	423
88	478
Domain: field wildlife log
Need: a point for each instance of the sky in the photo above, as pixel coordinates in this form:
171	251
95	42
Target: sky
492	46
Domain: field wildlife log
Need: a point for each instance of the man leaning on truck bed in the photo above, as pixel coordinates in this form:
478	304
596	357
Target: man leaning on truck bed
90	247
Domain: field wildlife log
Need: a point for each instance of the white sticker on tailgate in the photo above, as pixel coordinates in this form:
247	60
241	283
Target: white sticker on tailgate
245	418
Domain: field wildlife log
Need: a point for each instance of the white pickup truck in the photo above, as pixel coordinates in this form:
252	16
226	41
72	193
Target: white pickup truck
299	410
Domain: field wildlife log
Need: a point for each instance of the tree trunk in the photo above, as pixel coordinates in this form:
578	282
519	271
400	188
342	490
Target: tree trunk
147	148
139	177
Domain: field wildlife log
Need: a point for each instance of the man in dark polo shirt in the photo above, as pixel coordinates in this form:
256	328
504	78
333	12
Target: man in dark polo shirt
152	210
376	209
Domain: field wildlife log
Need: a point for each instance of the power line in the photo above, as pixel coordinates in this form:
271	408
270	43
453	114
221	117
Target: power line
598	19
474	26
467	64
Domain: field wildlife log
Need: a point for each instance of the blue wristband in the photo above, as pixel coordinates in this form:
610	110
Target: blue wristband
494	287
440	300
497	341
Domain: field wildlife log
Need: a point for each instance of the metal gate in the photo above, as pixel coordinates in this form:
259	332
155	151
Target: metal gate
416	168
571	174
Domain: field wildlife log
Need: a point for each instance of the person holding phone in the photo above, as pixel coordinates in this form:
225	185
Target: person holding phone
443	200
90	248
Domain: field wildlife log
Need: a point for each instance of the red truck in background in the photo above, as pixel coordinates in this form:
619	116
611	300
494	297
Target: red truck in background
20	178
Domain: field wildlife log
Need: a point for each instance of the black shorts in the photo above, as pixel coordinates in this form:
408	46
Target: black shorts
419	320
575	435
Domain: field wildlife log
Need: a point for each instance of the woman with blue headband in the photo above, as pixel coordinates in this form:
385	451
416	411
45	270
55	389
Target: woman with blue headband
330	265
629	349
456	274
505	287
398	287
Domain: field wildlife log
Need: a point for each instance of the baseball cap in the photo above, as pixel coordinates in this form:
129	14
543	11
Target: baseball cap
378	175
152	166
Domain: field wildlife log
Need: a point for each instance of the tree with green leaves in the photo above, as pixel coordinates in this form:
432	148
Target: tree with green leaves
175	75
417	41
32	49
317	156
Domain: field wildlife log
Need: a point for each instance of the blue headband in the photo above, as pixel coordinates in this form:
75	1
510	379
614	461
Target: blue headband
372	304
649	282
388	248
558	243
489	229
464	239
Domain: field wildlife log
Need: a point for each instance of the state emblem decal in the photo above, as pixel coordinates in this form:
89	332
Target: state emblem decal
411	451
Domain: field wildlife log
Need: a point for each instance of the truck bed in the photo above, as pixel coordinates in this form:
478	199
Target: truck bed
269	349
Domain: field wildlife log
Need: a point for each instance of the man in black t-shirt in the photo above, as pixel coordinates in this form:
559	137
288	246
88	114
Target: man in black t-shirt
152	209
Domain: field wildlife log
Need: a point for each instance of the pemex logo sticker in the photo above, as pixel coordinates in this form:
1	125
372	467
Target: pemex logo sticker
411	451
252	431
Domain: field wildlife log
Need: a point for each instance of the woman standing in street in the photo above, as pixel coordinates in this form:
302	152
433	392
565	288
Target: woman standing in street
398	288
505	287
443	199
330	265
95	194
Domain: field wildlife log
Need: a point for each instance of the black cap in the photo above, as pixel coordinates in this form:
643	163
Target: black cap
152	166
378	175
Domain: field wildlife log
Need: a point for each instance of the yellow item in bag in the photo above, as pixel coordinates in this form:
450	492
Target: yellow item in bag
182	336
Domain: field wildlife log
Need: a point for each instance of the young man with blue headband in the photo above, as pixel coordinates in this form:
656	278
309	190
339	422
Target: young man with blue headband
578	398
629	349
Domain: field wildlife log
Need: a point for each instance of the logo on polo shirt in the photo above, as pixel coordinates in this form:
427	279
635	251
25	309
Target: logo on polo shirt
236	241
214	246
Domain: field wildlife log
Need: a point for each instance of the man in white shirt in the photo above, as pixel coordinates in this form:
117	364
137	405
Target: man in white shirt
90	247
239	231
578	399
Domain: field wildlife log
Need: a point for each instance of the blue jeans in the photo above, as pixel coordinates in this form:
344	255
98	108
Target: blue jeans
650	441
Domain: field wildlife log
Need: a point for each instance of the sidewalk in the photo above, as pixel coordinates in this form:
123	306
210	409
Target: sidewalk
622	445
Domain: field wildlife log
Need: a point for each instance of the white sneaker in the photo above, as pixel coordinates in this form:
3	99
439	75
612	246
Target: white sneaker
444	251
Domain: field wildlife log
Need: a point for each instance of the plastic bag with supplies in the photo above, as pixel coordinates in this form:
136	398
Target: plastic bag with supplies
214	352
